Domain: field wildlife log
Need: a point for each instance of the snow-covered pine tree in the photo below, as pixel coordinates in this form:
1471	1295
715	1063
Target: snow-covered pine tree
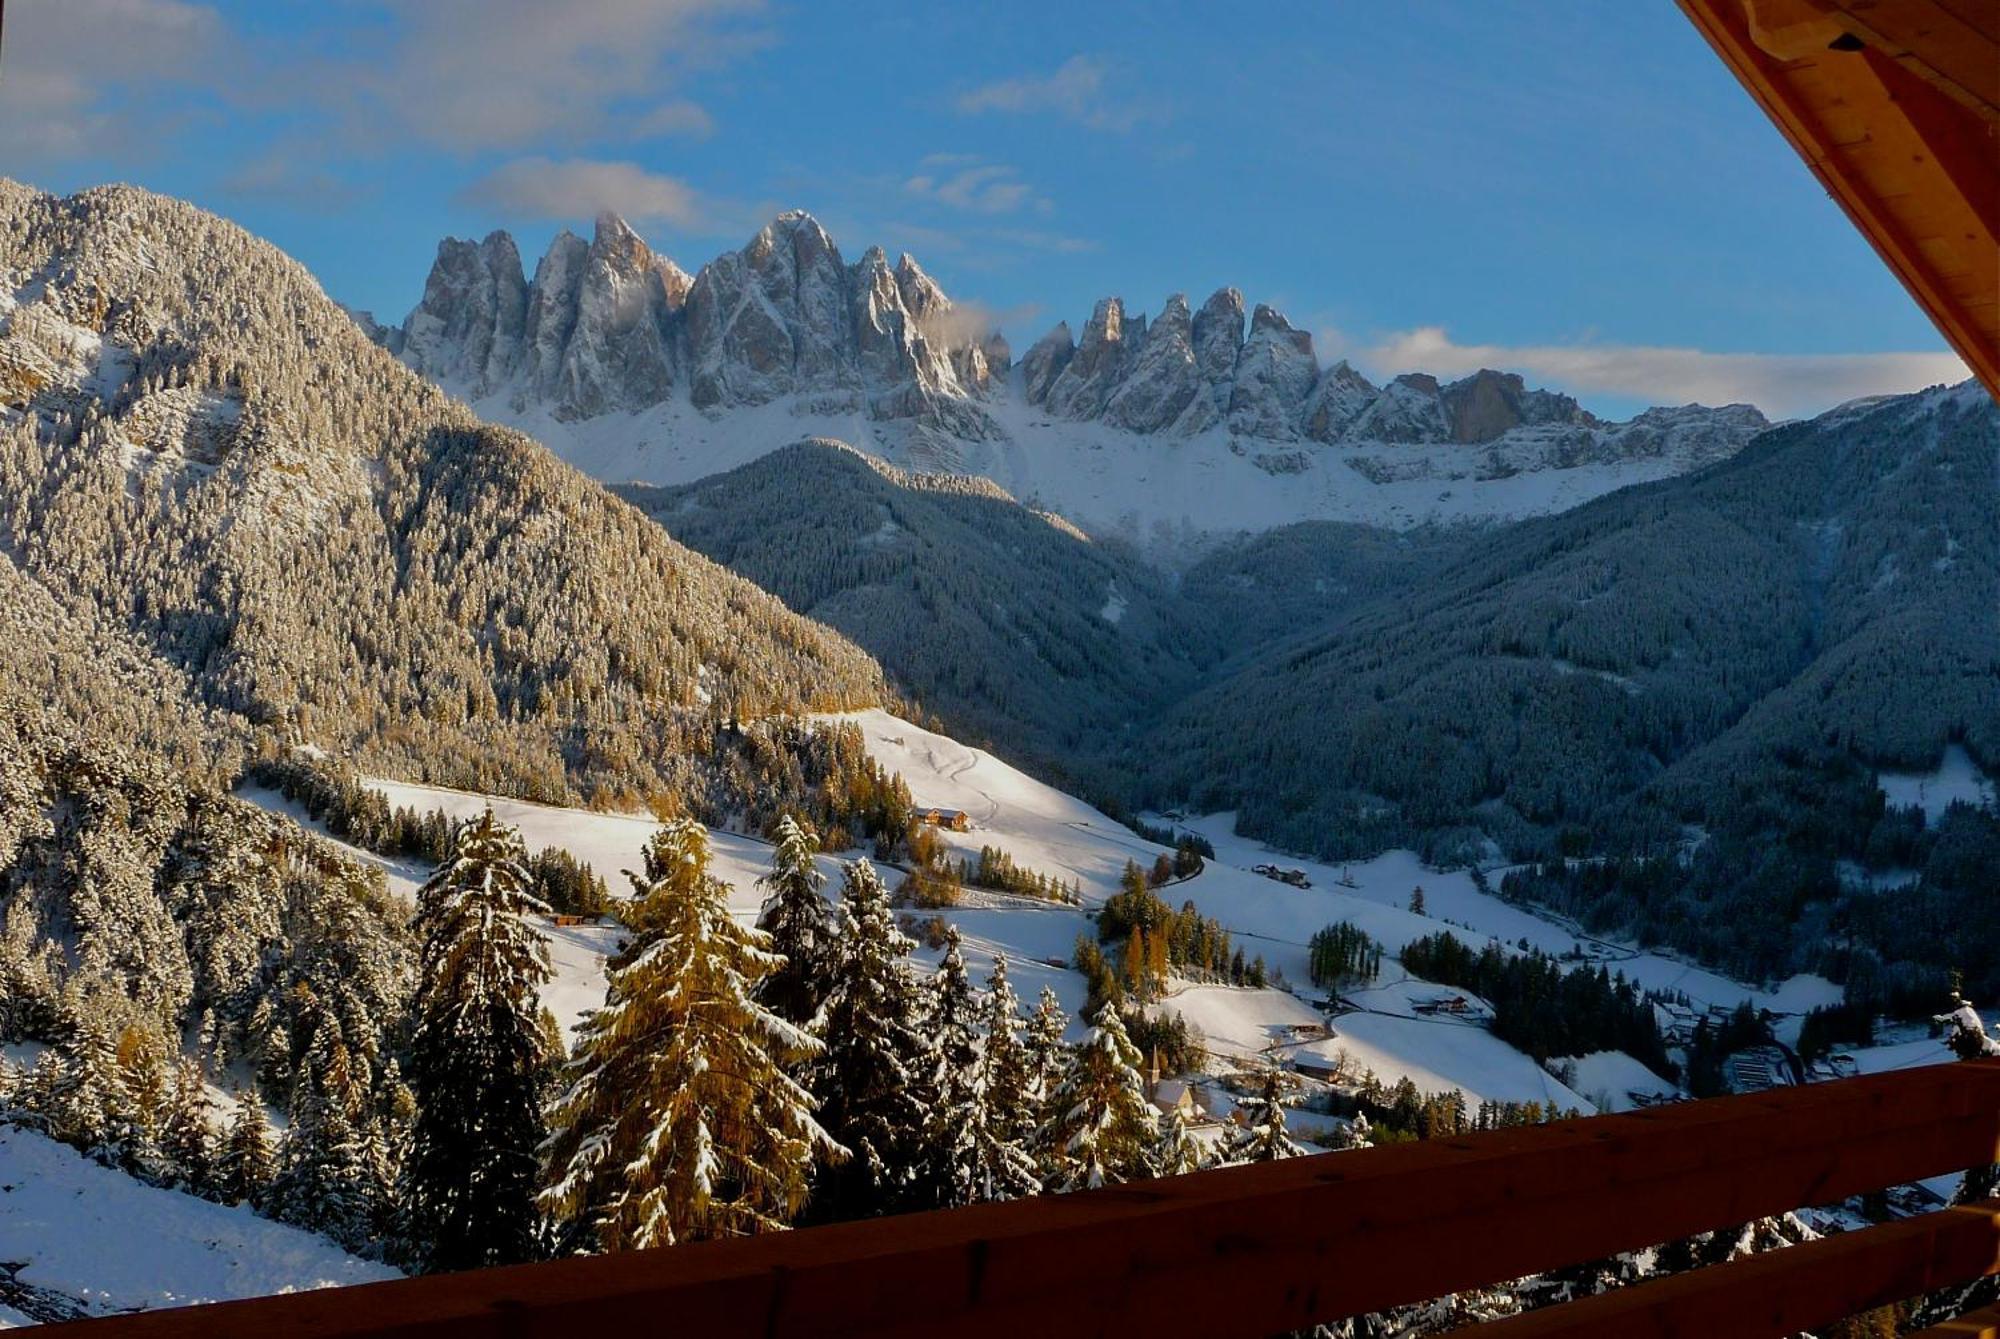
479	1061
871	1080
1103	1129
1048	1059
796	917
951	1171
187	1141
1175	1149
79	1090
249	1162
678	1121
29	988
1005	1118
1262	1136
322	1182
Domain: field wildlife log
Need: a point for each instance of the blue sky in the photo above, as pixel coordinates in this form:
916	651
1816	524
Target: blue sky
1576	190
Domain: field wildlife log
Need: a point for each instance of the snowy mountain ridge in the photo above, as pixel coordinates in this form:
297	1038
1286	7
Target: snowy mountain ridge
1209	420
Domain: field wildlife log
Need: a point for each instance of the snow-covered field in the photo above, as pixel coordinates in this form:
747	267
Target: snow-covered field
1379	903
69	1225
1956	777
1608	1077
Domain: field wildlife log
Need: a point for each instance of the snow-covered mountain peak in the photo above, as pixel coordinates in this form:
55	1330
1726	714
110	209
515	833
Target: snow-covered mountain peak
878	353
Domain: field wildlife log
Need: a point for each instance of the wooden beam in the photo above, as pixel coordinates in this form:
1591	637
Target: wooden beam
1956	49
1899	127
1245	1250
1785	1291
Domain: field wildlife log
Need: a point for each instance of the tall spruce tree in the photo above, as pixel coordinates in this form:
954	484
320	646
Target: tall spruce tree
1262	1136
479	1059
1047	1057
1103	1125
249	1161
951	1173
1175	1150
1003	1120
186	1139
323	1183
678	1121
872	1080
796	917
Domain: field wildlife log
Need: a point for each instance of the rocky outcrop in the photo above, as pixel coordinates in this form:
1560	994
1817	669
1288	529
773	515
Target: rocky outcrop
1164	380
613	325
1275	372
1410	409
618	355
1341	396
1488	404
468	327
1085	385
552	304
1045	361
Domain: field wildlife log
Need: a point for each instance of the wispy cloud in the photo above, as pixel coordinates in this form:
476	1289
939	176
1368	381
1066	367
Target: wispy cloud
957	182
545	188
680	117
86	78
1034	239
485	75
1783	385
288	175
1079	91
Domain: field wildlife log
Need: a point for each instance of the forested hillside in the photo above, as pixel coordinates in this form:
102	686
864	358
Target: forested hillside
1714	665
202	453
1021	632
235	534
1015	625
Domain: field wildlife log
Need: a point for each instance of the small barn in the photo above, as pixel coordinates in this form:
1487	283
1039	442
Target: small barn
1311	1065
1443	1004
957	820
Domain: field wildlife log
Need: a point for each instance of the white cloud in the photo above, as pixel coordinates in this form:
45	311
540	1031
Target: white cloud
543	188
81	77
1077	91
978	188
484	75
287	174
674	118
1783	385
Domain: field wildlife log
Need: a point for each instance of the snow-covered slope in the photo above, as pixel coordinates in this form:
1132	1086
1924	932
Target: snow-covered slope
1956	779
1047	830
77	1240
1185	425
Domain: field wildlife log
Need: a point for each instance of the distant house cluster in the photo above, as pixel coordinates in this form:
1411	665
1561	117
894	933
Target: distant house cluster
957	820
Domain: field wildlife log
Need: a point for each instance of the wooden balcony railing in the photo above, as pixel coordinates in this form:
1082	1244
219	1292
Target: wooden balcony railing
1258	1250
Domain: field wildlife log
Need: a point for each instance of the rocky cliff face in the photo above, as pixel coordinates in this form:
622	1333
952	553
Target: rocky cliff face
1184	375
612	325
